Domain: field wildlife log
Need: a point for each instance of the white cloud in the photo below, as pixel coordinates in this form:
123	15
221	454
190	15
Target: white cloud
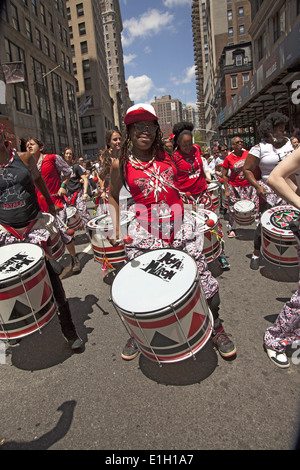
128	59
139	87
187	77
174	3
148	24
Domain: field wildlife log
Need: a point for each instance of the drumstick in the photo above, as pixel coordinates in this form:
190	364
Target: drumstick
189	196
70	231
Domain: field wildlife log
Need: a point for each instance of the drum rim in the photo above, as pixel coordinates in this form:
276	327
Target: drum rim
275	230
150	251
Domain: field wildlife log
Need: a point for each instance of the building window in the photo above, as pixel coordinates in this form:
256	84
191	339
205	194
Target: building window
28	29
87	83
87	121
84	47
46	46
89	138
242	29
241	12
262	46
79	9
230	32
81	29
234	82
34	8
85	65
279	23
245	77
38	38
229	15
298	7
43	14
50	20
239	59
14	17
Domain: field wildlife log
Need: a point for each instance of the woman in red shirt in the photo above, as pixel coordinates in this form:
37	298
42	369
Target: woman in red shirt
151	176
235	184
191	175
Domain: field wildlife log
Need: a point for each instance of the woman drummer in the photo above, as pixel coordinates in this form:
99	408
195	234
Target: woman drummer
273	148
286	329
23	221
193	175
235	184
150	174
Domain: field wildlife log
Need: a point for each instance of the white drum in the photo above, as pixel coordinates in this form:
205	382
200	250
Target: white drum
244	211
279	245
74	219
100	229
57	245
214	191
207	223
26	298
159	297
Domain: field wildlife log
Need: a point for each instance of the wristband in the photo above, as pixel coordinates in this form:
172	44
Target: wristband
63	185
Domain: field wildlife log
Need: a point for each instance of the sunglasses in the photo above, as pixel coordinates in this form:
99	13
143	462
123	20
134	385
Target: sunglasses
238	142
140	127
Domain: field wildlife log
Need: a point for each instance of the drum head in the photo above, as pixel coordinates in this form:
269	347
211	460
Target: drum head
245	205
202	216
154	280
277	220
71	211
212	186
104	222
18	258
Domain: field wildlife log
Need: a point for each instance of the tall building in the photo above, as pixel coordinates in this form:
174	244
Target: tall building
274	86
112	28
169	112
40	100
222	36
95	105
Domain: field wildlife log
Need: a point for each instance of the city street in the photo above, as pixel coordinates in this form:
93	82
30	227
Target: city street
94	400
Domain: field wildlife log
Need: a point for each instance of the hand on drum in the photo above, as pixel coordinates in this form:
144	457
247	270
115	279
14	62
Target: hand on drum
261	191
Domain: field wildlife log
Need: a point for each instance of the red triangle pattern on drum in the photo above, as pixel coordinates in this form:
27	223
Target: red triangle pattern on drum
197	322
46	293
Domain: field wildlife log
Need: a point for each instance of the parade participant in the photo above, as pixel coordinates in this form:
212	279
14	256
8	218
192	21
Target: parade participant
235	184
76	194
209	166
191	175
273	148
150	174
24	222
113	143
52	167
286	329
294	142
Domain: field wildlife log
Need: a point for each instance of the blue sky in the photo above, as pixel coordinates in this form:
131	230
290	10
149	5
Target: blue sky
158	49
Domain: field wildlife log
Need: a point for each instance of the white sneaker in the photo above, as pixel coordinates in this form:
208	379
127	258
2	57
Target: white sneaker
280	359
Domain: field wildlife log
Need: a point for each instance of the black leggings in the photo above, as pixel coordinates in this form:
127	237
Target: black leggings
59	294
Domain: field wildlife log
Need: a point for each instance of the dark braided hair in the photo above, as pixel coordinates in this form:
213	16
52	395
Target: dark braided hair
272	120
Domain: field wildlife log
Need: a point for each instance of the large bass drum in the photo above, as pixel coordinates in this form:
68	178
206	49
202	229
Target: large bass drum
159	298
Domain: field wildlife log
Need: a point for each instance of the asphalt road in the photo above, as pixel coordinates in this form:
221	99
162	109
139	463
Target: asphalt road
94	400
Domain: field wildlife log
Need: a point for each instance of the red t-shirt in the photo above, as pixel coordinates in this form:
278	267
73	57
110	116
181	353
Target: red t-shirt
154	189
191	177
235	165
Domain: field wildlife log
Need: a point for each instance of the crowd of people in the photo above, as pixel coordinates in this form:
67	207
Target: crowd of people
174	177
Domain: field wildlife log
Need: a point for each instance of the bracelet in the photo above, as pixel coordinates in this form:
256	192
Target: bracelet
63	185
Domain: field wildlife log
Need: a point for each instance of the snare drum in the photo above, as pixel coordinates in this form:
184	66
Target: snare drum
279	245
159	298
74	219
212	246
244	212
26	298
213	190
57	245
100	229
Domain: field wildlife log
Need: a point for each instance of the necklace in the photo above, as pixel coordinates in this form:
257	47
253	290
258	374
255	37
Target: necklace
139	164
11	159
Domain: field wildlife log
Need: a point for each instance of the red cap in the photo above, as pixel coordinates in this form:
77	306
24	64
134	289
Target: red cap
140	112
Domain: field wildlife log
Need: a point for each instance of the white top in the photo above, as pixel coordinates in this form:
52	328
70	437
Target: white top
269	156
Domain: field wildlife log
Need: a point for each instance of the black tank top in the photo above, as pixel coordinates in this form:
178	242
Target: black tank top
18	200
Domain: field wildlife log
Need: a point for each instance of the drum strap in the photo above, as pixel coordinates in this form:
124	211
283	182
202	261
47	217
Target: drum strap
20	236
72	202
